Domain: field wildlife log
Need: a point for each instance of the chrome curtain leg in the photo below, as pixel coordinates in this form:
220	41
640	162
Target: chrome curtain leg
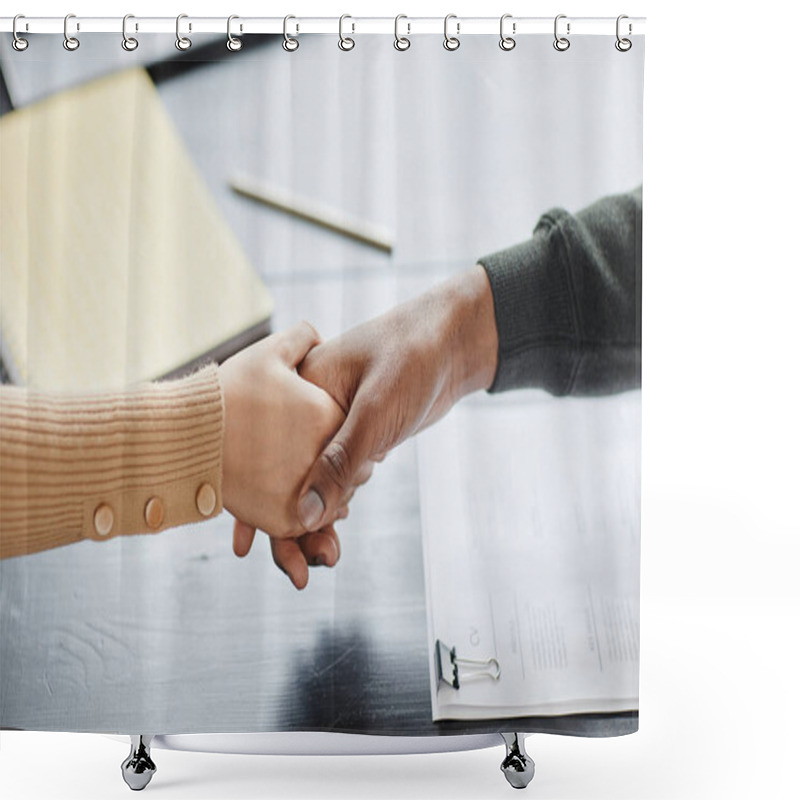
138	768
517	766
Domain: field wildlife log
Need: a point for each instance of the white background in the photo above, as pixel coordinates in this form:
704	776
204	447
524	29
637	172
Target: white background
720	701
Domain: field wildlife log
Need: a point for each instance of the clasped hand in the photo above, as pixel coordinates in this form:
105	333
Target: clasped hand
306	421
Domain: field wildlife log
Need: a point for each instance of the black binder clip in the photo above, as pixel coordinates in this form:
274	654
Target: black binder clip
448	663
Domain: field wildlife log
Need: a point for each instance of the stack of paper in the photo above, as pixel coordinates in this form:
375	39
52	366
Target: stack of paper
531	519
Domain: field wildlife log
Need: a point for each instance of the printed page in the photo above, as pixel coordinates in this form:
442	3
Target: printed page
531	519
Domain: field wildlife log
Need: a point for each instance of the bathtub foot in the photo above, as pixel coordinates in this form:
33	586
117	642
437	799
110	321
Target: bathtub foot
138	768
517	766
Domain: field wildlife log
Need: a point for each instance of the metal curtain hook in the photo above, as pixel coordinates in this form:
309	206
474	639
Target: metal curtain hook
561	43
19	44
70	42
290	44
181	42
233	44
507	42
451	42
401	42
623	45
128	42
345	42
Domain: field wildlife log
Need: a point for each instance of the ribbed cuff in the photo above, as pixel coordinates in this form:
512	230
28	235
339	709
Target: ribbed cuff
534	313
89	467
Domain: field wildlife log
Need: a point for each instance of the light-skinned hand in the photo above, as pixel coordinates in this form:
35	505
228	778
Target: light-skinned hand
276	425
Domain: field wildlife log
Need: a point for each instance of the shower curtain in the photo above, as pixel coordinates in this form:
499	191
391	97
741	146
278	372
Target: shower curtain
462	227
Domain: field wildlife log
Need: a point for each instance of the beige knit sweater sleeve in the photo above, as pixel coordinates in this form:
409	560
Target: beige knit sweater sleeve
95	467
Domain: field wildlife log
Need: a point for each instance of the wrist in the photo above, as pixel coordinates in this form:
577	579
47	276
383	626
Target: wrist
471	333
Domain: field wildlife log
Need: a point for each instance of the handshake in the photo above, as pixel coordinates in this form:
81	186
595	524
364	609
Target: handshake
306	421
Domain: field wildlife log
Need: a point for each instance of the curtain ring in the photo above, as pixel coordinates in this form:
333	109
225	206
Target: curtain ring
561	43
233	44
345	42
290	44
128	42
623	45
451	42
181	42
19	44
507	42
401	42
70	42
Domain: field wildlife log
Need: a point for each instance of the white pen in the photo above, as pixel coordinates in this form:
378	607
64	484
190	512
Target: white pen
309	210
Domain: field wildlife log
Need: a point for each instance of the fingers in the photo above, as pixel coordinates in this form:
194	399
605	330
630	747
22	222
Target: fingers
321	548
294	556
243	535
288	556
295	343
336	470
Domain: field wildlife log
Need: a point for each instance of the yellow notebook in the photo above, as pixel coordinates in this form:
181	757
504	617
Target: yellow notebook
115	263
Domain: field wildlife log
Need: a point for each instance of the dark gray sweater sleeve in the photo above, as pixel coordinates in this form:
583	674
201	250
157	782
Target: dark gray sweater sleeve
568	301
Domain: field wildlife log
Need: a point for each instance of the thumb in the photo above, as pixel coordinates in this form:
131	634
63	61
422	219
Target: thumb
336	469
294	343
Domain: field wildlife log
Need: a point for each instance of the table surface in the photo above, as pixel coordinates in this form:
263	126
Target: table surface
172	633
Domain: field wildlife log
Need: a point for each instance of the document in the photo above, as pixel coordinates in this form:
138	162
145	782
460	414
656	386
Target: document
531	523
